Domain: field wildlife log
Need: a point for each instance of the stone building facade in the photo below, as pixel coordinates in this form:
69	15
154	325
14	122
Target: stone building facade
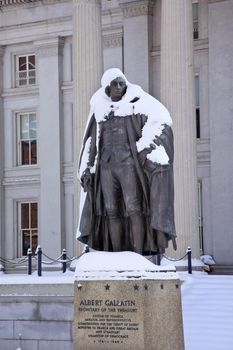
52	54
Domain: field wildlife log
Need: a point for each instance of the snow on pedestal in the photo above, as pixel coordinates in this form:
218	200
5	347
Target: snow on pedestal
120	265
123	301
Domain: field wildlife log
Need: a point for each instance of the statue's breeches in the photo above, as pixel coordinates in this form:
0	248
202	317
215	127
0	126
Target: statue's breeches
119	182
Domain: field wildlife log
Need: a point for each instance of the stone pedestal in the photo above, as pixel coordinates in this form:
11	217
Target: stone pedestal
132	308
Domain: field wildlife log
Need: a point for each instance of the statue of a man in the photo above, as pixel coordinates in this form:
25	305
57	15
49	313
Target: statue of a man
126	170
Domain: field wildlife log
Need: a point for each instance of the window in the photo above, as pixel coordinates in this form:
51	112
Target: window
197	106
195	21
28	227
25	70
200	216
27	138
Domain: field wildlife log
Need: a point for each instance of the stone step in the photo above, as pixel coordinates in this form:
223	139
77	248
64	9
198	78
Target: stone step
222	270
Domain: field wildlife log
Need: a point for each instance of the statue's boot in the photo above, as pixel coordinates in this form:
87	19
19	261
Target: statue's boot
116	234
138	232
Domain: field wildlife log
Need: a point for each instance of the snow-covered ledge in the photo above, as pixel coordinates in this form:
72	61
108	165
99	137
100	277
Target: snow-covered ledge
120	266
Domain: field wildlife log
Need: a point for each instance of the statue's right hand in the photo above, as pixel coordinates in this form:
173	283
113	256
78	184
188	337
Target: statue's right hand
142	156
86	180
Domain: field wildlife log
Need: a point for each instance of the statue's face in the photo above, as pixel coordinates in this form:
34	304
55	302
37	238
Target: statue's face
117	89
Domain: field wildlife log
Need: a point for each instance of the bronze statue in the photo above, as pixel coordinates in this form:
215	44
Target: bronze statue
126	170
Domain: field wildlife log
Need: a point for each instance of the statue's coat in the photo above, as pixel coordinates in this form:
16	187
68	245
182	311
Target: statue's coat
156	179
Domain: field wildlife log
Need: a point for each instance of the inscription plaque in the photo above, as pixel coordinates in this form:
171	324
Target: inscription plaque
112	320
109	322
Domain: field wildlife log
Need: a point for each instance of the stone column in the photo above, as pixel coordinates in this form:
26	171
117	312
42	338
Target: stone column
221	128
87	68
1	157
51	230
177	93
138	40
68	174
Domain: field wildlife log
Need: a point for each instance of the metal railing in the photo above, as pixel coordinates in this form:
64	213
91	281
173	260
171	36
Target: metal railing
188	254
27	261
64	260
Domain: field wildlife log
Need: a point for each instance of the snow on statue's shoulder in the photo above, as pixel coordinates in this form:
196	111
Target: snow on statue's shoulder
120	265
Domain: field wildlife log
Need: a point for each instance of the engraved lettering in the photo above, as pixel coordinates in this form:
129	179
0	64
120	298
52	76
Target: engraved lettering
88	302
115	302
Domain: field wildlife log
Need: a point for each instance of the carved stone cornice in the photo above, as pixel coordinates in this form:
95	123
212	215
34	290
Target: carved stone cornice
24	91
21	181
68	173
214	1
201	45
203	152
112	40
15	2
155	52
137	8
49	47
23	2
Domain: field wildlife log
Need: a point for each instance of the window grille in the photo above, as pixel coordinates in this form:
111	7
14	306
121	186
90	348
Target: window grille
27	138
13	2
28	227
25	70
195	21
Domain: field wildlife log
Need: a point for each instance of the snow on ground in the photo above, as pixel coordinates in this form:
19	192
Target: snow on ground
183	262
207	306
48	277
207	302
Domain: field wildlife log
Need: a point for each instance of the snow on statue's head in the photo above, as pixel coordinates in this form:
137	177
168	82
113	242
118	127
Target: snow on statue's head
114	84
110	75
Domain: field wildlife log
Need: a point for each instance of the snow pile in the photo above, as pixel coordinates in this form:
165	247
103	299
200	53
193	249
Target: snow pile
48	277
207	260
207	311
120	265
